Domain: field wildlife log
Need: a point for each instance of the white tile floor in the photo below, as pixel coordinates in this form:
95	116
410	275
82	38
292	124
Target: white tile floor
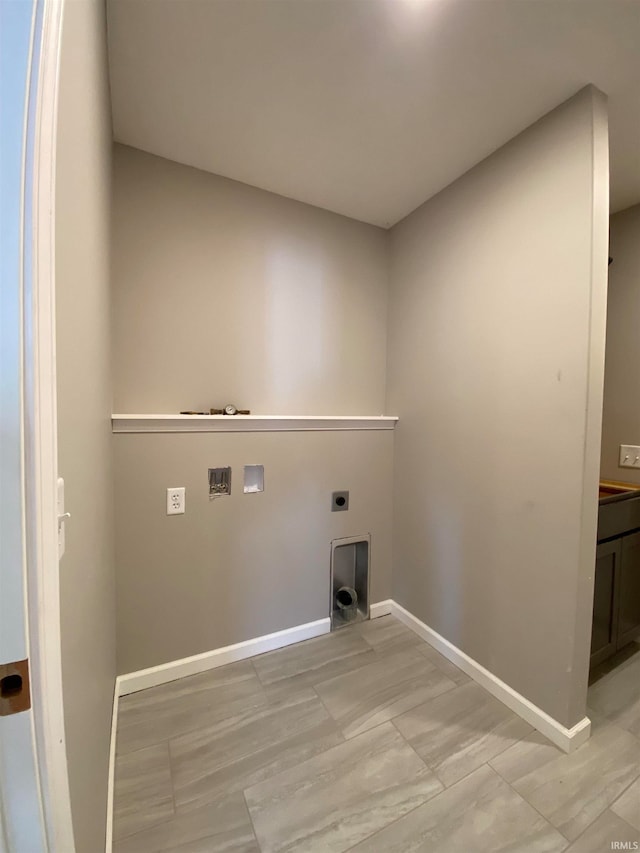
368	740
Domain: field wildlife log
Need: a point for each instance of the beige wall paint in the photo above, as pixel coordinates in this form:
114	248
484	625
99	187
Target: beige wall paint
495	369
87	576
225	293
241	566
621	415
495	365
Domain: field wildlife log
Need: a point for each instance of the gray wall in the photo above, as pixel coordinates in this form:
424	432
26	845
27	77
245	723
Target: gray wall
621	415
87	577
495	369
241	566
226	293
496	324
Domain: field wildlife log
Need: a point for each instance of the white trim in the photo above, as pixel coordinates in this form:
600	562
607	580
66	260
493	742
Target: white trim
381	608
566	739
132	682
144	678
249	423
108	845
41	435
597	321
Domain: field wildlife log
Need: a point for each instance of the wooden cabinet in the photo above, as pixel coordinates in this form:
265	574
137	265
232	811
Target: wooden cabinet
629	602
606	592
616	597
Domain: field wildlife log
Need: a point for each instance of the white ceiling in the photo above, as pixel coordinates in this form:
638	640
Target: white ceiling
365	107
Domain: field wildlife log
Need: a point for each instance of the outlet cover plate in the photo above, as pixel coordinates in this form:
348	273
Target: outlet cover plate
175	501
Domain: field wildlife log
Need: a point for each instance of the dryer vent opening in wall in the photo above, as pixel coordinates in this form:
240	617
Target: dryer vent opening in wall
350	560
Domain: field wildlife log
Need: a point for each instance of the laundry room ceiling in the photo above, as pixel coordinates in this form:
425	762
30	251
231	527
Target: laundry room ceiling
365	107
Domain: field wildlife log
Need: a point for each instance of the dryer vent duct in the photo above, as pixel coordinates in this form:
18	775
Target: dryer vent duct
350	559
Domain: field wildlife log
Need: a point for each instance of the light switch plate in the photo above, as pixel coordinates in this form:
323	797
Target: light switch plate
62	517
629	456
175	501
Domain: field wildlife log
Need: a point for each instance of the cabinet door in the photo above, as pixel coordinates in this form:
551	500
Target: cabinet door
605	601
629	597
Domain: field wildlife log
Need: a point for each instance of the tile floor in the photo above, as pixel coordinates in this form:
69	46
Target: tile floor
368	740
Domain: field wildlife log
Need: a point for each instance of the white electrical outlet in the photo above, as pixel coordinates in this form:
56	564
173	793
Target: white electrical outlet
629	456
175	501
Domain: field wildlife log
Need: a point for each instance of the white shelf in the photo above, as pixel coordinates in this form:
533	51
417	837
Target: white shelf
248	423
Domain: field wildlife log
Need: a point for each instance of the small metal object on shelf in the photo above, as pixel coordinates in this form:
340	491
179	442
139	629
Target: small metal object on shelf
226	410
219	482
230	410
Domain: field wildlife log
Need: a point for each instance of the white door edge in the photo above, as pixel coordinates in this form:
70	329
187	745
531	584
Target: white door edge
43	592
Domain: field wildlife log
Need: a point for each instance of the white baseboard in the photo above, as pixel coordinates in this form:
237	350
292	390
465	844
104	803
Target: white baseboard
144	678
381	608
108	845
564	738
132	682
